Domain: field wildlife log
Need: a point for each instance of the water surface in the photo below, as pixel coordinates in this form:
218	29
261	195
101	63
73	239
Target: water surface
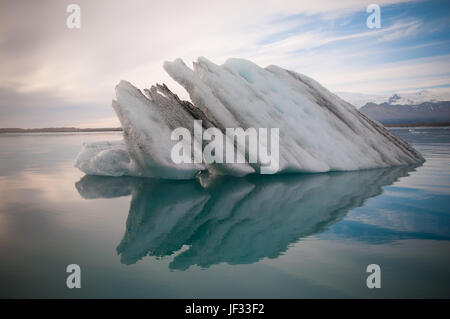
286	236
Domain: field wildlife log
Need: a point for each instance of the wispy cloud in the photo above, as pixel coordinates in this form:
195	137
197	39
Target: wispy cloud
326	39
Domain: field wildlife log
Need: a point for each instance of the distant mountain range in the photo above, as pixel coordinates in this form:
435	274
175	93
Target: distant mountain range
58	130
397	98
427	112
425	106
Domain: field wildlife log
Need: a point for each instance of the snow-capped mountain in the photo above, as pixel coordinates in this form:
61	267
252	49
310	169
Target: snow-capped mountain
424	106
397	98
426	112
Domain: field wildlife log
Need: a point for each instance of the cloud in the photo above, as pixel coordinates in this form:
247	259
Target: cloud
403	31
403	75
45	109
314	39
43	59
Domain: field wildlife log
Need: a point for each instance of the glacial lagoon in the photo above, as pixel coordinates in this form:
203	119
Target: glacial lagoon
283	236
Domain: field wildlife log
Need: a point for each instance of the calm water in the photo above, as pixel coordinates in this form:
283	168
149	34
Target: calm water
263	237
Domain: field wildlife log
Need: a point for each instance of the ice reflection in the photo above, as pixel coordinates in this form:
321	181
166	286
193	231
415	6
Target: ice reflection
237	221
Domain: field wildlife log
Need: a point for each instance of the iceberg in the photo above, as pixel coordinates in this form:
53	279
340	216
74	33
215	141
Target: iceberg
318	131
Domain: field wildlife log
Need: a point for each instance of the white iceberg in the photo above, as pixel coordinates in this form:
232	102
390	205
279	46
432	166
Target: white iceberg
318	131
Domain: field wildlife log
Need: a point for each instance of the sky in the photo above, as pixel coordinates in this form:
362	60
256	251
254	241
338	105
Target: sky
52	76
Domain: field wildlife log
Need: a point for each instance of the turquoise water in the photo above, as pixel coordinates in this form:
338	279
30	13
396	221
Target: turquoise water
292	236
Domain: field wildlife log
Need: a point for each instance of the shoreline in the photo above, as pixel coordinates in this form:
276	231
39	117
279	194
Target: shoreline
425	124
59	130
119	129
